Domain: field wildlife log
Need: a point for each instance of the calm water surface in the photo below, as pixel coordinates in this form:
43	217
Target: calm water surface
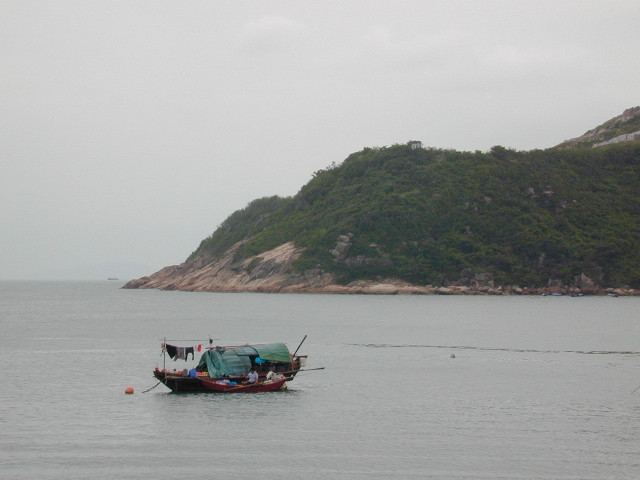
540	387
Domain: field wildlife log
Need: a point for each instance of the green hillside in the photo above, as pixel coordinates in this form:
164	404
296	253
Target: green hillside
424	215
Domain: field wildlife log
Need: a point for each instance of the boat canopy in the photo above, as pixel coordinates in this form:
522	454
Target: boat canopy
233	361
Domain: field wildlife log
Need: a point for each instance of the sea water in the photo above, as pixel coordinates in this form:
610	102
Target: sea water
436	387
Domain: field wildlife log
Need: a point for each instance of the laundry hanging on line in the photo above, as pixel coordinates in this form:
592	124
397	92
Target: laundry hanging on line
181	353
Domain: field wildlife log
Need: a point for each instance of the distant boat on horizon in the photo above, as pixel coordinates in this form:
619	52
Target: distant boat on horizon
113	278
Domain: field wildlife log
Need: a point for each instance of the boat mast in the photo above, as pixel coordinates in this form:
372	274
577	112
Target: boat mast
294	353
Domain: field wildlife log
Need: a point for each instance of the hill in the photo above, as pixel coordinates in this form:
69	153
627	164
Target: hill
625	127
422	220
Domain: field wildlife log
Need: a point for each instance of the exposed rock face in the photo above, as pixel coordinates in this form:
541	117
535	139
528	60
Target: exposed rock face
343	245
271	272
605	133
585	284
625	137
268	272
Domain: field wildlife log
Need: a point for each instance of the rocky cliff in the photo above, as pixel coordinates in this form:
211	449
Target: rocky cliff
270	272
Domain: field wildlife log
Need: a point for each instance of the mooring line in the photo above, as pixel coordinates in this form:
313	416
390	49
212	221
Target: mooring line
152	387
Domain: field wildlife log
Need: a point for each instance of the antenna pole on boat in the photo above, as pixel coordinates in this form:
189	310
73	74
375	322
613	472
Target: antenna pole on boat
164	354
294	353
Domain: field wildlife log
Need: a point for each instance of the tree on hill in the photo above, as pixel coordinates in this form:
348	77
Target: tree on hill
424	215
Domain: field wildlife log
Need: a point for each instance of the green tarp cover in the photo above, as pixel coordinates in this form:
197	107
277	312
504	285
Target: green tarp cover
271	352
235	361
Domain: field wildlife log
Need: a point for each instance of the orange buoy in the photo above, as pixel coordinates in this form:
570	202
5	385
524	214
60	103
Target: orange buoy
128	390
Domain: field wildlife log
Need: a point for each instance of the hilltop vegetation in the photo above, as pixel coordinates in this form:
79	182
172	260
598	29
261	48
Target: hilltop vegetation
426	215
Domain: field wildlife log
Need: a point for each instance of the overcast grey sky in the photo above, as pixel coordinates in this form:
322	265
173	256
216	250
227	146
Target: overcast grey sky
131	129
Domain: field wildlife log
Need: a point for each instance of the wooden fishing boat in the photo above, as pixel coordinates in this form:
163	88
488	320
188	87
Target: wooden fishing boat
226	365
220	386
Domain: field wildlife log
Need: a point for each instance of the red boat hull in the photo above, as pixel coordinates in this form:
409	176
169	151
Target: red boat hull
266	386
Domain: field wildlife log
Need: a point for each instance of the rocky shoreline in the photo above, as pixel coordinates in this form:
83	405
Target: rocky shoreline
270	272
385	287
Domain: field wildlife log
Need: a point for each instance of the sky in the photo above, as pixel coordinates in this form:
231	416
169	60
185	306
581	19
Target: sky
131	129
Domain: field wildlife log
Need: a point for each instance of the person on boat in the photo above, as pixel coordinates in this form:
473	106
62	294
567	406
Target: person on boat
253	376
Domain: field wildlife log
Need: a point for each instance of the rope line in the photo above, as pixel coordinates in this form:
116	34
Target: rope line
148	390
